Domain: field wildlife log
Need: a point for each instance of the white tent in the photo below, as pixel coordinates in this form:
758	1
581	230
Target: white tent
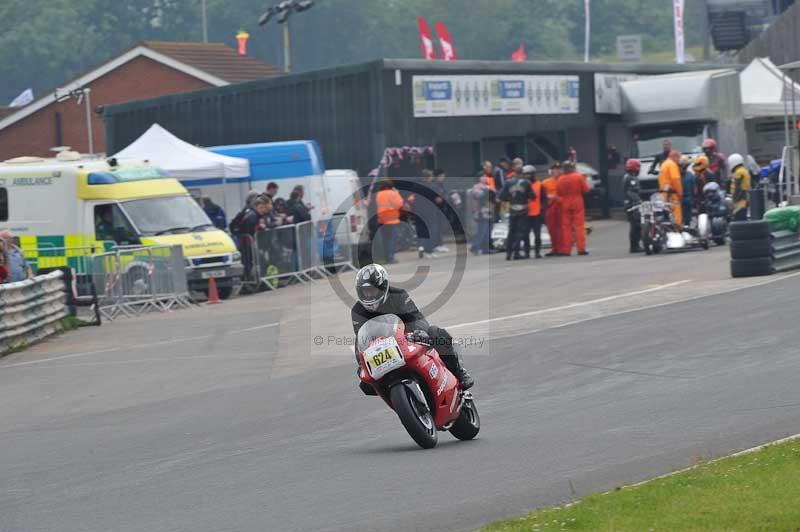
222	178
764	90
181	159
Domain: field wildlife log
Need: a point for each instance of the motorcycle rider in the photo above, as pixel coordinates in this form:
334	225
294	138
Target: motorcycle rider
517	192
630	191
377	298
688	180
717	165
740	187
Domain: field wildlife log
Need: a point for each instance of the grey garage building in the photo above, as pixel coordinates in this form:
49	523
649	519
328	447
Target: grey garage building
466	110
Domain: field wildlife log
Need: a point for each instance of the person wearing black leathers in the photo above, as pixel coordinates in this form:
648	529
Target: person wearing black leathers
517	192
631	193
666	148
377	298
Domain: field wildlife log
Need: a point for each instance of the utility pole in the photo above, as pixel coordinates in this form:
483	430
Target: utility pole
205	20
287	48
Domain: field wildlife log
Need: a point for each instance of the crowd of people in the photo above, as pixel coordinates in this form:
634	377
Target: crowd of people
682	183
556	202
13	265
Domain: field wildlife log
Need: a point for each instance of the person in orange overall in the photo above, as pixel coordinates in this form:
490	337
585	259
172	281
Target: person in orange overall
570	190
670	184
552	215
389	202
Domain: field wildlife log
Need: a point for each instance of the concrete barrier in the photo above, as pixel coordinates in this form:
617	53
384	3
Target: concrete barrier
31	310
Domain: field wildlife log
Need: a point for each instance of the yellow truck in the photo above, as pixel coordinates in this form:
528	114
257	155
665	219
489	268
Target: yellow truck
64	208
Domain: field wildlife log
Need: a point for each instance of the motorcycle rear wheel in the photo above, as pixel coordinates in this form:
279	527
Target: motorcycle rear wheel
468	423
418	424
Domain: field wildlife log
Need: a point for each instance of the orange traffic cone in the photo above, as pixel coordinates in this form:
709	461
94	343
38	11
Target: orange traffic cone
213	295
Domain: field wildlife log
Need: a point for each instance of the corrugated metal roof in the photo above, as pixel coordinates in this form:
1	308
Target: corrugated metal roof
216	59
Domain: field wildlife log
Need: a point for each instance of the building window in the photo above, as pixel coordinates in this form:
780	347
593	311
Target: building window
3	204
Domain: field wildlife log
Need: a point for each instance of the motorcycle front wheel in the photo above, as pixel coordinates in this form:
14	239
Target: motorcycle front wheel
417	422
468	423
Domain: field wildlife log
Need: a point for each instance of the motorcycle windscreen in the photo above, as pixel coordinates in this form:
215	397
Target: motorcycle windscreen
385	326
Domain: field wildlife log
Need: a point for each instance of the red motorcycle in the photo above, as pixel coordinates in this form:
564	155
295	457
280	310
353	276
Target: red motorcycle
412	379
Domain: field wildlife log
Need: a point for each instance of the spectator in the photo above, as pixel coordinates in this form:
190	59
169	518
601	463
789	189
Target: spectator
489	172
296	209
483	201
389	202
272	191
553	211
215	213
671	185
4	273
18	268
426	215
658	160
501	174
688	180
536	208
516	169
570	189
440	187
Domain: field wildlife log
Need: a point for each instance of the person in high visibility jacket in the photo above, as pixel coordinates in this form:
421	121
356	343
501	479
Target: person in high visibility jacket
570	189
670	184
489	172
552	214
740	187
536	209
388	202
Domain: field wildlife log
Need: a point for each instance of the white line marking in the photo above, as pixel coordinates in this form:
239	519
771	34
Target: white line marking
572	305
260	327
646	307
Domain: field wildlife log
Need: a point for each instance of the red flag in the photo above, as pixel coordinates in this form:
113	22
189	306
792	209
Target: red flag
426	40
520	55
446	42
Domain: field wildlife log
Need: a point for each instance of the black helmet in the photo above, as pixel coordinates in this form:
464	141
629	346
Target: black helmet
372	286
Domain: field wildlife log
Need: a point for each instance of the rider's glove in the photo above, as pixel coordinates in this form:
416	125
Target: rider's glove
420	337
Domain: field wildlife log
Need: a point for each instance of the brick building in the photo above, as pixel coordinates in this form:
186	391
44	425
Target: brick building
149	69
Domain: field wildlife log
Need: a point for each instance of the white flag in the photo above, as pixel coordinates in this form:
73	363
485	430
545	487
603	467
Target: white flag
587	10
23	99
680	50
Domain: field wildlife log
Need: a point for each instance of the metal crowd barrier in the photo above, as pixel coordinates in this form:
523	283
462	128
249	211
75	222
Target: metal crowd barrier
132	280
297	253
31	310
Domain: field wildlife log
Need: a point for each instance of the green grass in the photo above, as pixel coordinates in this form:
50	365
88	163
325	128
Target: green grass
752	492
656	57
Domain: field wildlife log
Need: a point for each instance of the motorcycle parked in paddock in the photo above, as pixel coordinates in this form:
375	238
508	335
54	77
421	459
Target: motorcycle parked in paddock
661	233
412	379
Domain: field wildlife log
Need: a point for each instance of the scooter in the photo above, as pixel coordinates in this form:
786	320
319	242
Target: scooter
412	379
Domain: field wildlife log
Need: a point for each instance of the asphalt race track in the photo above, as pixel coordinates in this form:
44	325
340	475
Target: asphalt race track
213	420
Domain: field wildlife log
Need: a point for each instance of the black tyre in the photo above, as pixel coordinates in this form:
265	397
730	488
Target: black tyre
468	423
419	425
752	267
749	230
751	249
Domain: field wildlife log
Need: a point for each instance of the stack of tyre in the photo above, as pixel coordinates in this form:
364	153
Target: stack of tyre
752	253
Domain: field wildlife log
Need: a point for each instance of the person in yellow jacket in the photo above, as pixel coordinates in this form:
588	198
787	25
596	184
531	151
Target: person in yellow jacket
670	184
740	187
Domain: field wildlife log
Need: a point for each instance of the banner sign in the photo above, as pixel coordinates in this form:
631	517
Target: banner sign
440	96
680	51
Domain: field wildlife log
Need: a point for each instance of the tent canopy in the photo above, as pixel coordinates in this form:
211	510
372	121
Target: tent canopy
183	160
764	89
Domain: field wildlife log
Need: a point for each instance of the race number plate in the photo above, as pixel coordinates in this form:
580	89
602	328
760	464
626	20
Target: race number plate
216	274
382	357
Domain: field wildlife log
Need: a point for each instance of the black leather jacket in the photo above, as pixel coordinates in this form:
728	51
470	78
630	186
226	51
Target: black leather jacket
399	303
